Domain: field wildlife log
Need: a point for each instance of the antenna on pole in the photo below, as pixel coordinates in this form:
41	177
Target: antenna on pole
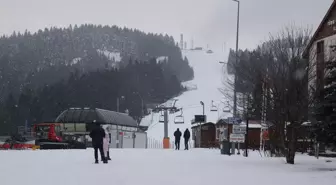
181	42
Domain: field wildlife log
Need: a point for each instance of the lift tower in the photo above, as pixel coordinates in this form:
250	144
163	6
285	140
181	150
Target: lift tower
172	109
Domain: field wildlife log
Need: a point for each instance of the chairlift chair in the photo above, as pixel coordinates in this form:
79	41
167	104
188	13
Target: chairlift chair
213	107
179	119
227	108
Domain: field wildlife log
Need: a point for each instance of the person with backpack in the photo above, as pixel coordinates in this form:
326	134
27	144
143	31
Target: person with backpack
98	134
186	136
177	135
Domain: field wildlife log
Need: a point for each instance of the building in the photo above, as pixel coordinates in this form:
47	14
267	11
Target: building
224	129
124	130
321	49
206	138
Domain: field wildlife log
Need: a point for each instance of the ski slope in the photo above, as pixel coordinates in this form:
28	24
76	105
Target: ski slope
159	167
209	76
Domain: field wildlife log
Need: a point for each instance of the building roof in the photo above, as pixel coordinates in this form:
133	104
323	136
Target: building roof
88	115
325	18
203	124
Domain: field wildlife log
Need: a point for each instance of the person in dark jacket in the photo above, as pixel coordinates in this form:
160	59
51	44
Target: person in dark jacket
186	136
177	135
97	134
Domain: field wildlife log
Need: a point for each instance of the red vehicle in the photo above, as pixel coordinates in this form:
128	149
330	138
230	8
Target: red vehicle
52	136
48	132
17	142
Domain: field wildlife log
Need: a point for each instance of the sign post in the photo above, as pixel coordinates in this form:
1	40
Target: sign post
199	119
235	121
237	138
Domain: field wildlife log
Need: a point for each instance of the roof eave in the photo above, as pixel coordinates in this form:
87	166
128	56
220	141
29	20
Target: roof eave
312	40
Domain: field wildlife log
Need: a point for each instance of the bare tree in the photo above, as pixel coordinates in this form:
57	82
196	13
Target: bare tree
278	67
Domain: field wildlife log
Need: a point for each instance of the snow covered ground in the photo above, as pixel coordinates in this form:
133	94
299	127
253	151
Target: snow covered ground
209	77
159	167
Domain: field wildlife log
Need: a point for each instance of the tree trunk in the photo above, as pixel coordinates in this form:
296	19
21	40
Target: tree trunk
291	148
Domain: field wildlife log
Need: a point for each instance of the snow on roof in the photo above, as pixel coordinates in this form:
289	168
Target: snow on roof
253	125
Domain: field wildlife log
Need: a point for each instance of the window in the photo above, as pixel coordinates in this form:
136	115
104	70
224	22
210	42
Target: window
331	22
58	130
320	65
320	47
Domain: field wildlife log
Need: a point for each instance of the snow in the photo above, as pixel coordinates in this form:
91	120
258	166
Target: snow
161	59
210	76
75	60
113	56
158	166
253	125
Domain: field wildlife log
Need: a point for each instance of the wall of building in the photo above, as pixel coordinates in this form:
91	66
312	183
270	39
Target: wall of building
328	55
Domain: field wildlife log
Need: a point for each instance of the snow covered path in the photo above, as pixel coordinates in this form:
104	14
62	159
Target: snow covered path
209	78
159	167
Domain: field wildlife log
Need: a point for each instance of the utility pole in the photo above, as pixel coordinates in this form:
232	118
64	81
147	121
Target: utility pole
200	138
247	125
118	104
235	78
235	74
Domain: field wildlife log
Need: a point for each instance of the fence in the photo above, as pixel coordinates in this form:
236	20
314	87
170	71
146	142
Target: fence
125	139
129	139
158	144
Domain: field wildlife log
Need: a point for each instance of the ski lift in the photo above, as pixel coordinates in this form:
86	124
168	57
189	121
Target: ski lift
173	110
161	118
179	119
213	107
227	108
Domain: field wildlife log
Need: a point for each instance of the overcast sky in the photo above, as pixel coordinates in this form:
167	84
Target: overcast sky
210	22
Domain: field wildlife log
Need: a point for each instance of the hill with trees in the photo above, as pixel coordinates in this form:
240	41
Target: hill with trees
26	58
49	71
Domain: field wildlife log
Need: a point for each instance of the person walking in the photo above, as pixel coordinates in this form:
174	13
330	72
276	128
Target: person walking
177	135
186	136
98	134
106	143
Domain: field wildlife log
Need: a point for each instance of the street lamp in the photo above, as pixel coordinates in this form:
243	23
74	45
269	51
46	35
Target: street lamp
142	103
235	72
235	78
118	102
202	103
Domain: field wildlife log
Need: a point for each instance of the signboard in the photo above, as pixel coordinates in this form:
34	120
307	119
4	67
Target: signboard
232	120
200	119
265	135
128	135
238	129
237	138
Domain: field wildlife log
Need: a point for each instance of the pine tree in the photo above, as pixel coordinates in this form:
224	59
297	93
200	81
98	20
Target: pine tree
325	128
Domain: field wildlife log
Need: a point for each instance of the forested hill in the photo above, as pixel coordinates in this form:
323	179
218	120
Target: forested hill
44	73
44	57
136	85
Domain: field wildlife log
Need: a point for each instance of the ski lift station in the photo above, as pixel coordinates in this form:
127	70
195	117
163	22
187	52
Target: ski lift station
123	130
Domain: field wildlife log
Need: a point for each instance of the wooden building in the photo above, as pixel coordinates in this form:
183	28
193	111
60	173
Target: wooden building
208	137
321	49
254	130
